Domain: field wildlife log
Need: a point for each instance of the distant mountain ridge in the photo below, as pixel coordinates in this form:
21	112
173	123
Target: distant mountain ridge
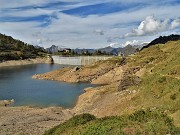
127	50
52	49
162	40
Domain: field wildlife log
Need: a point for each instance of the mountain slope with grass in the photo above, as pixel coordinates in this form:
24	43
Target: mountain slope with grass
162	40
13	49
144	100
139	123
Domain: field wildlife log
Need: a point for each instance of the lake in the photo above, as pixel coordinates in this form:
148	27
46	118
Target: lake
16	83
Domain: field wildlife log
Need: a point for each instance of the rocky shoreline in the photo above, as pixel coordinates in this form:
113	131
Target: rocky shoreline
95	100
98	73
24	62
34	121
109	75
30	121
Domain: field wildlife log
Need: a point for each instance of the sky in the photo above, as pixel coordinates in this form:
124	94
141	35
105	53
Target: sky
89	23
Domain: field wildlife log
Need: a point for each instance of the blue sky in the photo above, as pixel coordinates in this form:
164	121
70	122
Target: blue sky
89	23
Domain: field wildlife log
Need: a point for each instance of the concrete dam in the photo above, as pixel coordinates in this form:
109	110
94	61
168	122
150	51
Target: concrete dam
79	60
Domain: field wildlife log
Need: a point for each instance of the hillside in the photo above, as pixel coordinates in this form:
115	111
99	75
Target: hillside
142	89
163	40
138	123
127	50
12	49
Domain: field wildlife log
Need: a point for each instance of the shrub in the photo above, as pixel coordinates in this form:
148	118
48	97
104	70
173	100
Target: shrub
73	122
162	79
173	97
140	122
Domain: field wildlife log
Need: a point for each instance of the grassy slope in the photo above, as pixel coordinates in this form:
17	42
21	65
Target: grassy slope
159	92
160	87
140	122
13	49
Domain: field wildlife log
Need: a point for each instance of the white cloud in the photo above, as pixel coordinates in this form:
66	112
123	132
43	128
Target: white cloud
99	31
21	3
175	23
20	30
152	26
39	41
43	40
133	42
76	31
114	45
129	42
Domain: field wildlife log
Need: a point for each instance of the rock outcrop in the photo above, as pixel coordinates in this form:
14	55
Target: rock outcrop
128	79
6	102
76	74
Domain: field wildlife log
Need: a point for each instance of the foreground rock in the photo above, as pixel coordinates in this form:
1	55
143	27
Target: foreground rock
30	121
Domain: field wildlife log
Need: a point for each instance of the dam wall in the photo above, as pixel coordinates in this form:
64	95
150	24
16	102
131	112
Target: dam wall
79	60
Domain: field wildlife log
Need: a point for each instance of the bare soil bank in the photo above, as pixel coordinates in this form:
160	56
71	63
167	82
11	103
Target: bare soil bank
24	62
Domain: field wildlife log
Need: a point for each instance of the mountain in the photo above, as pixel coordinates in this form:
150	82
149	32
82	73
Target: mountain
13	49
55	49
140	45
108	49
127	50
140	94
163	40
52	49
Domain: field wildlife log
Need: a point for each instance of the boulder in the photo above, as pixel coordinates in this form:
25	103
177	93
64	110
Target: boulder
6	102
75	69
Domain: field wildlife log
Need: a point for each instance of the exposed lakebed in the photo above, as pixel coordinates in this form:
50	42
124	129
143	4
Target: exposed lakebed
16	83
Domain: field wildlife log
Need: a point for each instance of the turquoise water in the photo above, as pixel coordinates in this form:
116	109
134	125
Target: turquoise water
16	83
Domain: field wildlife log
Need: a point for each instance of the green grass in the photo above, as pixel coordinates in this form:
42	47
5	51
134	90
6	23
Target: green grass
71	123
161	92
140	122
111	62
160	86
158	94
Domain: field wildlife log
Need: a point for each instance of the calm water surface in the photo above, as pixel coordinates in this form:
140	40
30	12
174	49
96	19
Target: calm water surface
16	83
